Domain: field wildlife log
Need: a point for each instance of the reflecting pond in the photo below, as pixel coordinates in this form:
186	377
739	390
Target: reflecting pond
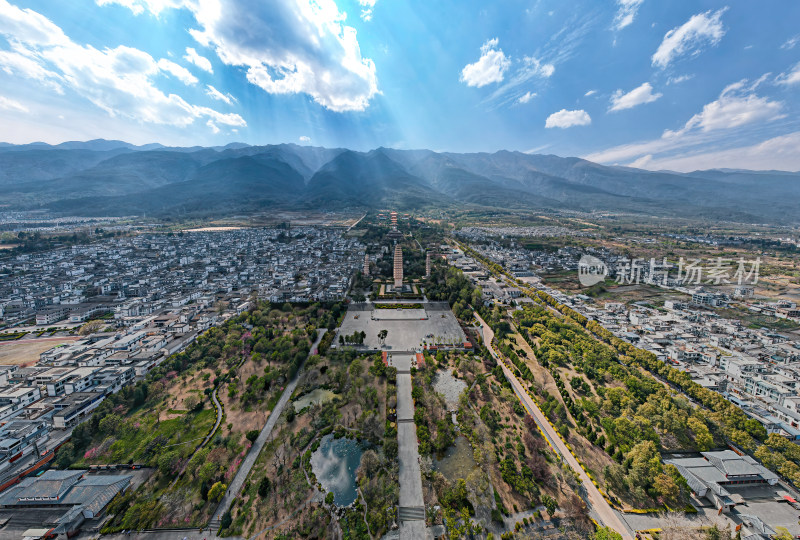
457	461
315	397
335	463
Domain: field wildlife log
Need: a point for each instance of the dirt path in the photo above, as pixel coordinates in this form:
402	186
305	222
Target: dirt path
607	516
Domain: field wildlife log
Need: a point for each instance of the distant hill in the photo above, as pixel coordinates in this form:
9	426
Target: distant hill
116	178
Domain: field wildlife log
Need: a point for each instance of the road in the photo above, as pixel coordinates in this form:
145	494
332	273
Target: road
607	516
412	505
357	222
250	459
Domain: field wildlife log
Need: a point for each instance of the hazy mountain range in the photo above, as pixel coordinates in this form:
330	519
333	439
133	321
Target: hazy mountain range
116	178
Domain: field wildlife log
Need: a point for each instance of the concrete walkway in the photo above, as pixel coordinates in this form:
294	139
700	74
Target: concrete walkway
251	457
411	513
606	515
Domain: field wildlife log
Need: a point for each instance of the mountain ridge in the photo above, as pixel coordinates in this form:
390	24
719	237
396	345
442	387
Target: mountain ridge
103	177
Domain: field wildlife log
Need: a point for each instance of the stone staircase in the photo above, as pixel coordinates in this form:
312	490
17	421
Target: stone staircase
411	513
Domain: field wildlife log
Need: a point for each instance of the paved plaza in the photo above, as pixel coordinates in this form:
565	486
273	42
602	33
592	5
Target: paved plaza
408	329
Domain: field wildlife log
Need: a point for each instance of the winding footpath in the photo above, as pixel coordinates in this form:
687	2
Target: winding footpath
211	433
606	514
250	459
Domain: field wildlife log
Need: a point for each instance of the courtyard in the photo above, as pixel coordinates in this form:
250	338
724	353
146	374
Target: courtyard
407	329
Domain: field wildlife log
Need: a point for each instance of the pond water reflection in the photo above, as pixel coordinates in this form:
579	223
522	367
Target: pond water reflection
335	463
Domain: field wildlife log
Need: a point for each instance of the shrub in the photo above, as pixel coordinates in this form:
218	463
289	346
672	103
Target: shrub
216	492
226	520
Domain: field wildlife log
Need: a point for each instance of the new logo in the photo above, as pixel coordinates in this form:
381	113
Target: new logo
591	270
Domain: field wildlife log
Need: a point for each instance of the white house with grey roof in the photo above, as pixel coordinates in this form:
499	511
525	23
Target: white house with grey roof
708	476
61	500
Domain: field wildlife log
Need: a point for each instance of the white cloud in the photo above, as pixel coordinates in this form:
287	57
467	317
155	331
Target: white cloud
559	48
638	96
200	61
139	6
534	66
213	126
703	28
526	97
28	26
179	72
510	91
15	63
679	79
489	68
219	96
290	48
626	12
790	77
305	139
368	6
737	106
117	80
538	149
791	42
642	162
564	119
776	153
590	93
12	105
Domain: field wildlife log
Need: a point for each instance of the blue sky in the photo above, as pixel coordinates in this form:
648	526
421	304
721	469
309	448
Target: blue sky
679	85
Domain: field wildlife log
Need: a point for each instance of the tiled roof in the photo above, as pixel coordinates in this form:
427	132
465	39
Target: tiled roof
51	485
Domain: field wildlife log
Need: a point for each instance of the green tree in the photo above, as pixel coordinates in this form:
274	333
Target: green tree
550	503
382	335
702	436
216	492
263	487
207	471
715	533
666	487
606	533
65	456
167	461
645	464
356	368
110	424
